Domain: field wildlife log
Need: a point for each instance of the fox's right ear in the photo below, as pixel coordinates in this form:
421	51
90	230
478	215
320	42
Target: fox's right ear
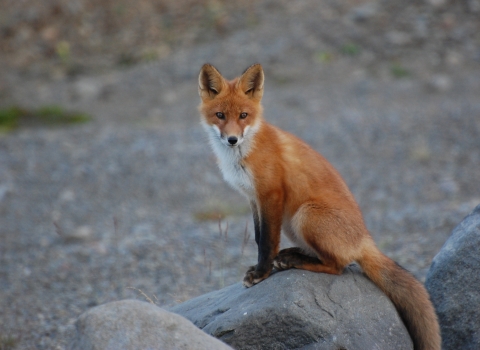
210	82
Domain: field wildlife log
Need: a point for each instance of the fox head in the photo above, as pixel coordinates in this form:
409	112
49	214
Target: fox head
231	110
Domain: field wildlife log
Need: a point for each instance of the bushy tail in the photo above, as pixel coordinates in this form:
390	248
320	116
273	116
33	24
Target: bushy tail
409	296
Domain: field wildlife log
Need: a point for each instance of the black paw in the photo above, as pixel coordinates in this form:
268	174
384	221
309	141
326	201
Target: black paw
253	276
289	258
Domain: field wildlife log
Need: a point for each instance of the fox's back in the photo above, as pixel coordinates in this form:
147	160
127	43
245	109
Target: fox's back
280	159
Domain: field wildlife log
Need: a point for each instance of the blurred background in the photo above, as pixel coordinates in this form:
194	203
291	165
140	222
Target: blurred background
108	188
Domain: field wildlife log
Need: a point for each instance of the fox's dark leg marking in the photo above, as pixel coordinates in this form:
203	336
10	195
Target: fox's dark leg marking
267	236
256	225
256	221
264	266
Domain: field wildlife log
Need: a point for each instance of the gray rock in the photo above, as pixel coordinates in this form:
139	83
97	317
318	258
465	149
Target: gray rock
440	83
364	12
453	282
133	324
473	6
298	309
398	38
87	88
437	3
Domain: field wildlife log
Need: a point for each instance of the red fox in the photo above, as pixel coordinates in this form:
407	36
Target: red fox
292	187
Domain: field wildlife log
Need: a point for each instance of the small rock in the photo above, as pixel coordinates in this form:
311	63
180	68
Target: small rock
420	152
453	58
50	33
5	188
473	6
133	325
449	186
80	234
155	113
170	97
398	38
88	88
437	3
440	83
364	12
421	27
67	195
453	282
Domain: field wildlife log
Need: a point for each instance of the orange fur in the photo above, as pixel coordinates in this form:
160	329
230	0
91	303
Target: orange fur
293	187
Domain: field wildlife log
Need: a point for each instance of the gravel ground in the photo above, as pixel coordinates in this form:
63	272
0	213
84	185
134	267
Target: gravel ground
125	206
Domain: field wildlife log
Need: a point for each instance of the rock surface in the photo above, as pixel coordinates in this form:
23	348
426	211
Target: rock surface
132	324
301	310
453	282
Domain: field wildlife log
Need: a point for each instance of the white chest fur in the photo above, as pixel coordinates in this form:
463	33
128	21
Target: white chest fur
230	161
234	171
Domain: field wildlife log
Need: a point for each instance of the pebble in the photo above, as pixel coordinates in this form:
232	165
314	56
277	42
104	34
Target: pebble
473	6
398	38
440	83
364	12
437	3
88	88
80	234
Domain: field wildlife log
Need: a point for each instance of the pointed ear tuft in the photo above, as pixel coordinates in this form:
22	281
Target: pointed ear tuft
251	81
210	82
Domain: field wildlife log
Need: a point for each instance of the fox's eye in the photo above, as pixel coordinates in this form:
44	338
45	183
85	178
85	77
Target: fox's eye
220	115
243	115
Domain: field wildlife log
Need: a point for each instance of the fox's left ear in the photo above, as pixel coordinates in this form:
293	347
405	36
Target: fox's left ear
251	82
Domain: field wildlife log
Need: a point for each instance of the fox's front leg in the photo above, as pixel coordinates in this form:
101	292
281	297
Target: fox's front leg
256	224
267	221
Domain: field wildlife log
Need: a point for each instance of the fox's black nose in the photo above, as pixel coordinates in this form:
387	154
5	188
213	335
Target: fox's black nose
232	140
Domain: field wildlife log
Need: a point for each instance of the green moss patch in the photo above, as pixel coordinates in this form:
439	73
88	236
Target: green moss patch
8	342
49	116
